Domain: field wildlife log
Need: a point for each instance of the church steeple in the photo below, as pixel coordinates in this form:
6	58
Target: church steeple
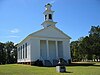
48	16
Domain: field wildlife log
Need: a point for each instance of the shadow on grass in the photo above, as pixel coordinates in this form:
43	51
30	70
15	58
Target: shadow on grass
66	72
83	64
78	64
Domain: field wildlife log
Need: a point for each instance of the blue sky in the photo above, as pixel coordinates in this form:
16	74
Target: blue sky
19	18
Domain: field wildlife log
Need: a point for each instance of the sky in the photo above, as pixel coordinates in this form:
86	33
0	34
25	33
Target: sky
19	18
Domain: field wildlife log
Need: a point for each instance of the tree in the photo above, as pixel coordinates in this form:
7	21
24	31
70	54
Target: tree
94	35
14	54
75	51
87	47
8	53
11	52
2	54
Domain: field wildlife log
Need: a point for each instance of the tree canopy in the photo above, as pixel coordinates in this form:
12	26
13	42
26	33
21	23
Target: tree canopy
88	47
8	53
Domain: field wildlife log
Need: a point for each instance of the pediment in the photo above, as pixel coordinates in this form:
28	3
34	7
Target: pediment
50	32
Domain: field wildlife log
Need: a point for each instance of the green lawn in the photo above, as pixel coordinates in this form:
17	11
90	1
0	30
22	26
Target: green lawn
18	69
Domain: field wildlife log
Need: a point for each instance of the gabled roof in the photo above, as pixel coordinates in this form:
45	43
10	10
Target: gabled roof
50	31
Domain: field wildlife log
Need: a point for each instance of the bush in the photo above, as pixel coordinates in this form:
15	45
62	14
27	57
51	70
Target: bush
69	61
38	63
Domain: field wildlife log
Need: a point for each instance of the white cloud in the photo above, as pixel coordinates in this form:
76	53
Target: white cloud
14	36
15	43
14	30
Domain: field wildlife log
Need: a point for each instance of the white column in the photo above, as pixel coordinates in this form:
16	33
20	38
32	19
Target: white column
47	49
20	53
56	49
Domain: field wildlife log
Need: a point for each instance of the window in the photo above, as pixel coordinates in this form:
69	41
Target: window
45	17
25	50
50	16
21	53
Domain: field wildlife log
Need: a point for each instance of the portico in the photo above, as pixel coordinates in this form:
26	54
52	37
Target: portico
51	49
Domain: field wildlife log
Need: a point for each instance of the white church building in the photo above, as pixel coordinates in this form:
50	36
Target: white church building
48	44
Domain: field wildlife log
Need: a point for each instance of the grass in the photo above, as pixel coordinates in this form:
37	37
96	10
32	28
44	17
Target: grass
19	69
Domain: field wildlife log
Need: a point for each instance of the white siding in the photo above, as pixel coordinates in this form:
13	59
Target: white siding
60	49
35	49
66	49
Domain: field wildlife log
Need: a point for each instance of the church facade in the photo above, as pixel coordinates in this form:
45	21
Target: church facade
48	44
